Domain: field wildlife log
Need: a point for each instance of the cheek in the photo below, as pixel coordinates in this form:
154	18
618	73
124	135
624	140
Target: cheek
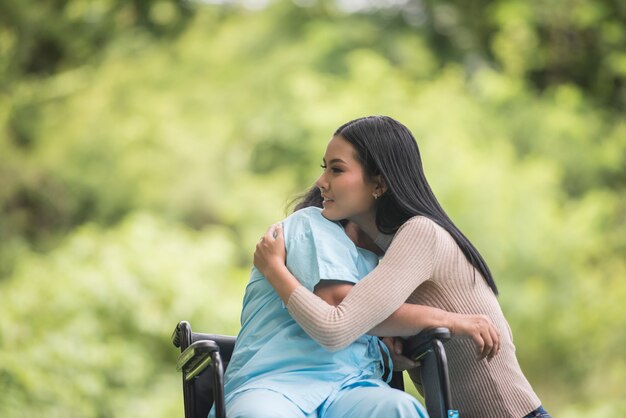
351	190
358	193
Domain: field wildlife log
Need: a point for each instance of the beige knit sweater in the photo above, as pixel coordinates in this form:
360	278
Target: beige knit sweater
424	265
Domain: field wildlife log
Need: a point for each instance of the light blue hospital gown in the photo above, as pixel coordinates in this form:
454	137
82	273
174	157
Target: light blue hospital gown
277	366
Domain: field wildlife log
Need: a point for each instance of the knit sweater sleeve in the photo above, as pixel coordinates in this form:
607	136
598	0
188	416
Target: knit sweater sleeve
408	262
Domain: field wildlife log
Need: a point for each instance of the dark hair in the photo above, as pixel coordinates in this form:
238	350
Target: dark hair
387	148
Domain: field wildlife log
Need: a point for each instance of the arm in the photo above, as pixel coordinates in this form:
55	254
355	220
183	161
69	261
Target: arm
408	263
373	305
407	320
410	319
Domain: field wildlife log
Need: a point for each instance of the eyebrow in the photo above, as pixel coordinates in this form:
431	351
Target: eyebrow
334	160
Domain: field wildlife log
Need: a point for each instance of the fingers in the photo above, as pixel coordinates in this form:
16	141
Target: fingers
483	333
257	259
262	249
274	233
398	345
495	336
490	338
488	341
269	234
395	345
278	233
480	343
401	362
479	331
388	341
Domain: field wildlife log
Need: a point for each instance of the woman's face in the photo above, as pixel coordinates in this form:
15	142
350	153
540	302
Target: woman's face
347	193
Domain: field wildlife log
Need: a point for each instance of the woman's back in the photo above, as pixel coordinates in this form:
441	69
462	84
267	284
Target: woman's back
456	286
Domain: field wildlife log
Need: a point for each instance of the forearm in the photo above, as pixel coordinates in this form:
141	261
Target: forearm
410	319
407	264
283	282
369	302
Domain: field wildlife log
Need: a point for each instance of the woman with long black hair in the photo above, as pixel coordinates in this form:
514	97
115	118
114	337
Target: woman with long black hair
427	261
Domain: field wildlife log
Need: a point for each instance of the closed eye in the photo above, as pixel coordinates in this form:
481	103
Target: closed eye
335	170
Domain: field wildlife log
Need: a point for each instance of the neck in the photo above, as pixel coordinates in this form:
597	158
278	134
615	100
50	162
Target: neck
367	224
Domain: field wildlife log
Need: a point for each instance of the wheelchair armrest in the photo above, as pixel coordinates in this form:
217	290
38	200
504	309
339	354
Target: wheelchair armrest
226	343
195	359
419	345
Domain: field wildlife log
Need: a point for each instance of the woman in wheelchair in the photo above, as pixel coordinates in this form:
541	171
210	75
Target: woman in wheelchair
373	178
277	370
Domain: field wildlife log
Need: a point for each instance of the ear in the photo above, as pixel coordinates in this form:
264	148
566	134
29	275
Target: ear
380	186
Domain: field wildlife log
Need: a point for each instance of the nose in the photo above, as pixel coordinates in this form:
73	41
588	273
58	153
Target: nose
321	182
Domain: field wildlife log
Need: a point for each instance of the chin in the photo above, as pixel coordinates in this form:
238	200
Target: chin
328	214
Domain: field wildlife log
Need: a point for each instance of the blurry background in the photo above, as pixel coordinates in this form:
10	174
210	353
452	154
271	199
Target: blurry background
146	145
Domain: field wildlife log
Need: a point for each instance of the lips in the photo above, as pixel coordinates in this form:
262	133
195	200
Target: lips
326	200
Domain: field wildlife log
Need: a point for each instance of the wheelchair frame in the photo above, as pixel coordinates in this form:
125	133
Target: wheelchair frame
205	357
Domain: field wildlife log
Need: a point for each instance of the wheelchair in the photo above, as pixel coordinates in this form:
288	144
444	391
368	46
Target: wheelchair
204	359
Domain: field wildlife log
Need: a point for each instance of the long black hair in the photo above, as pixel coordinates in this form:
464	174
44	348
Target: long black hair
387	148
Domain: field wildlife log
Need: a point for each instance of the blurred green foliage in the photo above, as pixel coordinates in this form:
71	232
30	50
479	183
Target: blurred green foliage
145	145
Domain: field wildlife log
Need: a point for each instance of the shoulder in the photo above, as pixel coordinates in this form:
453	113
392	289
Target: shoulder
309	221
308	213
419	226
419	236
304	218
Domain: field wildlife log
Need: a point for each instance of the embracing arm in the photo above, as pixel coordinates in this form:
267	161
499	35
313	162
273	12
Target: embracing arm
408	263
410	319
338	314
407	320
